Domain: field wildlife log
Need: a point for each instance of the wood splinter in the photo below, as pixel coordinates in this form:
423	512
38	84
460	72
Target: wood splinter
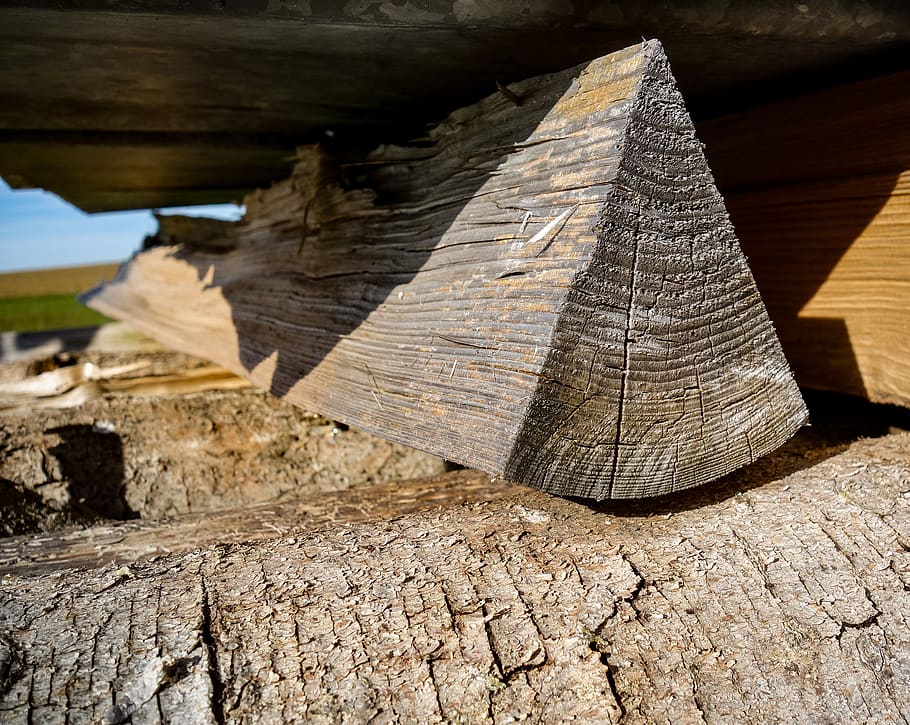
631	356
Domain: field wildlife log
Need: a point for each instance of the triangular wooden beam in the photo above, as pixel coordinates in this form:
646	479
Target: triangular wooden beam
549	290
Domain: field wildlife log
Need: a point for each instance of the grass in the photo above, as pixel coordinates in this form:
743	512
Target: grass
60	281
45	299
46	312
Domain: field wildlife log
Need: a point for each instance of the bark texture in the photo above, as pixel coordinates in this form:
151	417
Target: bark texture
780	595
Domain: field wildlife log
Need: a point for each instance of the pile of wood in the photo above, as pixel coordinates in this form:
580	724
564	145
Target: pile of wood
549	290
324	589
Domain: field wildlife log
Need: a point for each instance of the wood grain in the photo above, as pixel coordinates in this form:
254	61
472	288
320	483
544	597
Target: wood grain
562	273
818	189
156	103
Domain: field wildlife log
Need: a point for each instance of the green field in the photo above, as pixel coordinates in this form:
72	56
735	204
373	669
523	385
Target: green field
47	312
59	281
46	299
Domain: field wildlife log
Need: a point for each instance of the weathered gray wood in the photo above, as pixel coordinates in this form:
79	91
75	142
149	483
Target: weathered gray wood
786	602
148	103
550	292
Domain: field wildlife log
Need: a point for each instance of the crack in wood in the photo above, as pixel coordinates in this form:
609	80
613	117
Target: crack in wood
627	342
211	647
606	151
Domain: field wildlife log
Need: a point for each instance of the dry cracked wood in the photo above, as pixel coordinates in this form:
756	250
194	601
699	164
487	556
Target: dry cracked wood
151	457
788	601
562	273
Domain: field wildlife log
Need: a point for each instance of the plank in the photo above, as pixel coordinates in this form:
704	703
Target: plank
561	272
155	103
818	189
522	608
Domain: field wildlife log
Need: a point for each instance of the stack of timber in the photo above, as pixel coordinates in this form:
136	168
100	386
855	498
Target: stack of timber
818	189
549	290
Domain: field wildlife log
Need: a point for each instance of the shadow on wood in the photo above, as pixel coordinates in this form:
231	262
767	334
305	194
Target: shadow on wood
818	189
550	292
91	462
365	230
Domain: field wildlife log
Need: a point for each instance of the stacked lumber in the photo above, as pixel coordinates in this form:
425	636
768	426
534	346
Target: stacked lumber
549	290
818	189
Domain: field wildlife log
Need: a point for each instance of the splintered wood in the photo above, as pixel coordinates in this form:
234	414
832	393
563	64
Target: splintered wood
551	292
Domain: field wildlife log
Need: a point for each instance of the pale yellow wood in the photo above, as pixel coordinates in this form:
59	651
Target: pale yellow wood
841	305
818	189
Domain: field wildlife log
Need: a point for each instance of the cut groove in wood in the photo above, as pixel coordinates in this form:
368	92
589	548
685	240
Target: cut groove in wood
551	292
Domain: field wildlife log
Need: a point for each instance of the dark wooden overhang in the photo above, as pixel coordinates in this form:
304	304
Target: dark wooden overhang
120	104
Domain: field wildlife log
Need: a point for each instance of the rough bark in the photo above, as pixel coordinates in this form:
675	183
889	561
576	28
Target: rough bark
783	595
561	272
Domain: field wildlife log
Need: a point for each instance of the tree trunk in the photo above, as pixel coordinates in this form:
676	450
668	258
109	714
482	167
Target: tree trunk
779	595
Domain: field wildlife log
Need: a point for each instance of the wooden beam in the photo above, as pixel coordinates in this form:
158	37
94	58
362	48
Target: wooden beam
560	273
128	541
143	170
818	189
117	104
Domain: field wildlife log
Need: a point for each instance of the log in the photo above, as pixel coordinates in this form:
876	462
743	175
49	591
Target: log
308	508
125	457
560	272
818	189
782	596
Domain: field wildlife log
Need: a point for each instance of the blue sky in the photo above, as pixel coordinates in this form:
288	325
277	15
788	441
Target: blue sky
39	230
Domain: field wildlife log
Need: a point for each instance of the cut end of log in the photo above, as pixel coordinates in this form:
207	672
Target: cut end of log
664	371
551	292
